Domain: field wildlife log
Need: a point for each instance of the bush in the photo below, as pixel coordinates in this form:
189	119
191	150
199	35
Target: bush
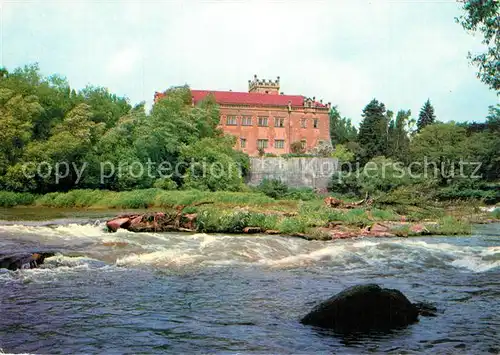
496	213
11	199
218	221
165	184
273	188
303	194
292	225
466	191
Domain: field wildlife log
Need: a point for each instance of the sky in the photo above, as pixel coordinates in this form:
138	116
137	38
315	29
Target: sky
346	52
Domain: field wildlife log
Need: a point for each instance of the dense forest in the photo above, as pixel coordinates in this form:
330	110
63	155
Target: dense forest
56	139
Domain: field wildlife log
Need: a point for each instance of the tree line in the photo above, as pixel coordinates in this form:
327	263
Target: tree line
54	138
453	160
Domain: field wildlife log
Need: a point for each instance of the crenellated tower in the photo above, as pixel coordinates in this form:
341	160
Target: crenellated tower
264	86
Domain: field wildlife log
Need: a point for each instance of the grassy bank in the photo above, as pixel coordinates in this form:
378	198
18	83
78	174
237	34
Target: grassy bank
231	212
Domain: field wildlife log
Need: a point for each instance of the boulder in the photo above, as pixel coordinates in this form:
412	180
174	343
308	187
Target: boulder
23	261
252	230
118	222
364	308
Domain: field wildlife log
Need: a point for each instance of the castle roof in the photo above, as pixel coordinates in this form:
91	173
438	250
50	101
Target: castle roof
252	99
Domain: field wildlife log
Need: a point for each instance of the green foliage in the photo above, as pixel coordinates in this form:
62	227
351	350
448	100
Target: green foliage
11	199
95	131
292	225
399	141
470	190
342	153
426	116
303	194
341	128
482	16
382	175
373	130
441	146
273	188
212	165
450	226
165	184
217	221
496	213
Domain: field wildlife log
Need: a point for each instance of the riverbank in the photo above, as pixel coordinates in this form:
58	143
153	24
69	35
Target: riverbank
252	212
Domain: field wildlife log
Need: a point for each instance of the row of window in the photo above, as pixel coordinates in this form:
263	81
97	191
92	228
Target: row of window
262	121
264	143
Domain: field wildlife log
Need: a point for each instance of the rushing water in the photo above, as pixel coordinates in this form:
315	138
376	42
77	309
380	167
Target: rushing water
190	293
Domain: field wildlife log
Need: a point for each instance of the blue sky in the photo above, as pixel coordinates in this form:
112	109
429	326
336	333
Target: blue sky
346	52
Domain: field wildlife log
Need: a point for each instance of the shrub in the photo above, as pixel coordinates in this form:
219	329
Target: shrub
11	199
496	213
219	221
165	184
303	194
292	225
273	188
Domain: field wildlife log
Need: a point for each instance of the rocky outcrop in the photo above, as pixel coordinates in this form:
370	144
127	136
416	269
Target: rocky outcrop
23	261
364	308
154	222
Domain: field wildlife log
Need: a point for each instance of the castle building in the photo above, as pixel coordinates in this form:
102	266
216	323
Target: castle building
264	119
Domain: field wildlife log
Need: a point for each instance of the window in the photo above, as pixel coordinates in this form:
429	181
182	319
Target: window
279	122
262	143
303	123
243	143
263	121
303	143
315	123
246	121
279	144
231	120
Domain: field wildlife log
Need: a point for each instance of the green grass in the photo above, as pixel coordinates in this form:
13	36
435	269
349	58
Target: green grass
450	226
231	212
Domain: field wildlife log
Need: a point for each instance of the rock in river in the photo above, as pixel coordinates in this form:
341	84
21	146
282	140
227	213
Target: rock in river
363	308
23	261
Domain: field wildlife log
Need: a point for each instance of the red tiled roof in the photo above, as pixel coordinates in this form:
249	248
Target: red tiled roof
246	98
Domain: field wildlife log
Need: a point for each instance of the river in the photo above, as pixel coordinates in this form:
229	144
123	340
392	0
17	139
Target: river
196	293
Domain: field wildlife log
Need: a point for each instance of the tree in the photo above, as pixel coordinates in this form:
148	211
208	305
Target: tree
440	148
212	164
426	116
399	140
493	118
373	130
341	128
342	153
482	16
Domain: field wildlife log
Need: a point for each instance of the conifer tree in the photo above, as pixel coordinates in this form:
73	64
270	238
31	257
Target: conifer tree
426	116
373	130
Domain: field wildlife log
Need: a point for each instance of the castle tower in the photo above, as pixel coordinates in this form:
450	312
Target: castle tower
264	86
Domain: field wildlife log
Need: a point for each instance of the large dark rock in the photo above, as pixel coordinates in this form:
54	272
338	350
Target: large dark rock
23	261
364	308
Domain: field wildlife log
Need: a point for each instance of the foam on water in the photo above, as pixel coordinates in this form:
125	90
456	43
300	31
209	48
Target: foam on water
176	249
